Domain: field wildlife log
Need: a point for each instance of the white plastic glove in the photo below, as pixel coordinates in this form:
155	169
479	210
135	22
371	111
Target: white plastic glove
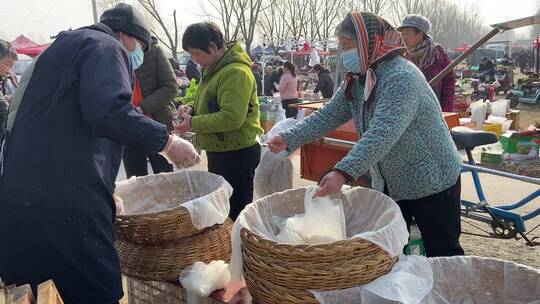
180	153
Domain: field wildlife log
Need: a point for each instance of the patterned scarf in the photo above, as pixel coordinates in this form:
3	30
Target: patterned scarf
377	40
424	55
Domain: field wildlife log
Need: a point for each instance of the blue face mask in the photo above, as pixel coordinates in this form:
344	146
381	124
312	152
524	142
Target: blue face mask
137	56
351	61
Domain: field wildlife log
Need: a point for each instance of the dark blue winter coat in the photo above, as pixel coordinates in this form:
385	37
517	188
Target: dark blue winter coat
61	158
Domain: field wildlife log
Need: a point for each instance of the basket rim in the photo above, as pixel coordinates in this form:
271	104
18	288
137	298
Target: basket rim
169	210
246	233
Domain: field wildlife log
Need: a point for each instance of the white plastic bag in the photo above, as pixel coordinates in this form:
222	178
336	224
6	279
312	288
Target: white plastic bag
201	279
445	280
499	107
409	281
478	113
307	229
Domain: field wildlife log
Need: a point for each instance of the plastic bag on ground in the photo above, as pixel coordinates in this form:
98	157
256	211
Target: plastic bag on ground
201	279
203	194
369	215
306	228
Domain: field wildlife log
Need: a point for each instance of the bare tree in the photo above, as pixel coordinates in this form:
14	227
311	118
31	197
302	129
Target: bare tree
295	13
271	25
401	8
224	10
331	13
378	7
171	35
247	13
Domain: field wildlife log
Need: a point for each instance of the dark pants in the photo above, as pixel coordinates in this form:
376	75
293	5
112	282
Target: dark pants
290	112
439	220
238	168
136	165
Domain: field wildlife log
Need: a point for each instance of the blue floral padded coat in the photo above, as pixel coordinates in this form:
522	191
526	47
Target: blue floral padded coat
404	142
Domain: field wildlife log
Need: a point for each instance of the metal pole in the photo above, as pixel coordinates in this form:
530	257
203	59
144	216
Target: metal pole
94	8
454	63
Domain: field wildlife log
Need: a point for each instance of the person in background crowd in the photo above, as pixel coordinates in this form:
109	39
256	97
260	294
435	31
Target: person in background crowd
67	123
487	68
288	89
325	84
404	141
257	74
183	82
225	112
192	71
155	88
8	56
269	81
429	57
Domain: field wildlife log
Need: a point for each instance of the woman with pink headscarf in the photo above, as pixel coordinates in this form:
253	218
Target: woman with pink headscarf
405	144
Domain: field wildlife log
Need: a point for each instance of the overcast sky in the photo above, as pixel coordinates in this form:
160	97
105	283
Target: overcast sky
39	19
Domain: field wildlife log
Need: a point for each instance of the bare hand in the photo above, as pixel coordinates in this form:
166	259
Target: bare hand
277	144
183	109
331	183
185	125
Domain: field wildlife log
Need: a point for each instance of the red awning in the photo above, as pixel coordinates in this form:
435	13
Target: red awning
22	42
33	51
463	48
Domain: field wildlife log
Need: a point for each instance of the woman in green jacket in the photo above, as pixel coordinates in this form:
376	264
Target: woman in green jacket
225	110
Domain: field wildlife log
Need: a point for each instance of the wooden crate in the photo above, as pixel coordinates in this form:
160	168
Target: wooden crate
48	294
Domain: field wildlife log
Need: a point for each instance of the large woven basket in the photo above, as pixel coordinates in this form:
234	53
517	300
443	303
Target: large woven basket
165	261
279	273
175	188
283	273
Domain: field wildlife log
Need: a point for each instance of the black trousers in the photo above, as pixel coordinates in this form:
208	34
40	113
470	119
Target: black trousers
290	112
439	220
136	165
238	168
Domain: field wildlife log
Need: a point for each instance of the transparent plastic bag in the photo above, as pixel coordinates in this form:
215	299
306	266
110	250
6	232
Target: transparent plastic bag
201	279
445	280
307	229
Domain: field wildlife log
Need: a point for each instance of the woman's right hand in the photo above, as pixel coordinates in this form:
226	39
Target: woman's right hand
183	109
277	144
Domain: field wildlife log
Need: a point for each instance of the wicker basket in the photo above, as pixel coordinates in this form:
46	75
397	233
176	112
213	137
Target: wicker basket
165	261
283	273
153	292
279	273
176	188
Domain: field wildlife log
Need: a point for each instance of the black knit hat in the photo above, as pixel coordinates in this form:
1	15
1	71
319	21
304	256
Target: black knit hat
123	17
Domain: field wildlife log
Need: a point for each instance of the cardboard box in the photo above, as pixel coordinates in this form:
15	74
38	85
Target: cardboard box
520	143
491	157
513	115
493	128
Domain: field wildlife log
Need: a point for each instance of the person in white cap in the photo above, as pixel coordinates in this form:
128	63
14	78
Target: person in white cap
428	56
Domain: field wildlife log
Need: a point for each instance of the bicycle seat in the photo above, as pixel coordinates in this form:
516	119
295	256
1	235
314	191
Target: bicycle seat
469	139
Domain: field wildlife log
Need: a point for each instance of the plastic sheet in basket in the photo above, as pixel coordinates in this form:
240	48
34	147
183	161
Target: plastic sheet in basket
369	215
445	280
204	195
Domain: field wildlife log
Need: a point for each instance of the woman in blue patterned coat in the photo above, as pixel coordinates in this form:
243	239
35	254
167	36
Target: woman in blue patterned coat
405	143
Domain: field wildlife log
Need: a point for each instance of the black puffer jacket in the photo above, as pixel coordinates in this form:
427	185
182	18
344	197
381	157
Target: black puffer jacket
325	84
158	85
